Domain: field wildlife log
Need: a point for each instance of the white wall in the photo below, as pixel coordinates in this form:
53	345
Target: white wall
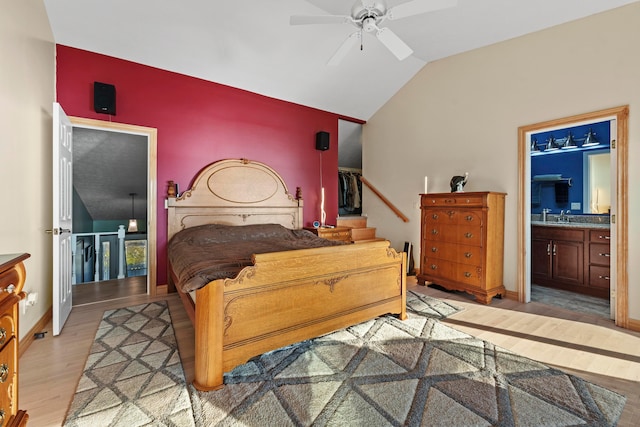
461	114
27	91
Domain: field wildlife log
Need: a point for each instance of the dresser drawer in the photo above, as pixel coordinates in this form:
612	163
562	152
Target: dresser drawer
451	201
600	236
471	255
9	278
599	254
7	379
440	216
435	268
7	328
599	276
440	233
470	275
469	235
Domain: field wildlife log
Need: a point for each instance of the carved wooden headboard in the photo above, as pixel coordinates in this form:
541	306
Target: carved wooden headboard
234	192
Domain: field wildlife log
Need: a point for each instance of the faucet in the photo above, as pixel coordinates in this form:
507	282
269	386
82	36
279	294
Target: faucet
545	211
564	217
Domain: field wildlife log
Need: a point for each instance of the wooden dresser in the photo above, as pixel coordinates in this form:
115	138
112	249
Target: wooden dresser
12	276
462	242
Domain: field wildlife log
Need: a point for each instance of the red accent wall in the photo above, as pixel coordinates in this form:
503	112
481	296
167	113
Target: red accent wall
200	122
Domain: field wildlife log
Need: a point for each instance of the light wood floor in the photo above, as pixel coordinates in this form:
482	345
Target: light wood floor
92	292
586	345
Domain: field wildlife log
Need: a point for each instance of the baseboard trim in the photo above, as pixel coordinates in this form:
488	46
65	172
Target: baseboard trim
634	325
24	343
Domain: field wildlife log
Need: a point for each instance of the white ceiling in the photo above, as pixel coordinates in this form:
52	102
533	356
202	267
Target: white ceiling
249	44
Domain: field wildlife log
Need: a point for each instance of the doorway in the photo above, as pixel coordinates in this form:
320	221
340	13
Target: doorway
349	168
619	209
114	194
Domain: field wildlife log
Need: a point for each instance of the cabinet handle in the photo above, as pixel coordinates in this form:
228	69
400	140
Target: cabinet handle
604	237
467	274
434	231
604	277
469	218
3	336
434	249
4	372
603	254
554	249
548	248
468	254
434	216
449	201
468	235
434	267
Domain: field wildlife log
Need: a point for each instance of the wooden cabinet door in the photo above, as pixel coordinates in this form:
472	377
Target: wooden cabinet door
540	259
568	261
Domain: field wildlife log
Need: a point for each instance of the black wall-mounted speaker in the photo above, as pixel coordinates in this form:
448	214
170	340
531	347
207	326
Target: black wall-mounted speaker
322	141
104	98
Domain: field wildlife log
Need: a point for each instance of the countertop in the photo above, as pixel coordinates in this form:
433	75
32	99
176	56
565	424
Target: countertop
570	224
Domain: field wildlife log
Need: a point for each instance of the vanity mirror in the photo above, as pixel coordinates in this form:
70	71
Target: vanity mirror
570	169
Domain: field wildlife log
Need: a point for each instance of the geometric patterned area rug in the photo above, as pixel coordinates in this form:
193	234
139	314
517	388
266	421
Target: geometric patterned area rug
417	372
133	375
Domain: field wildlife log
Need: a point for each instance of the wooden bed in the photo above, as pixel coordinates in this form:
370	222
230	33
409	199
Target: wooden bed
285	297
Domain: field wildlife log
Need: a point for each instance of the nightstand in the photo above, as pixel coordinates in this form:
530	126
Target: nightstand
342	234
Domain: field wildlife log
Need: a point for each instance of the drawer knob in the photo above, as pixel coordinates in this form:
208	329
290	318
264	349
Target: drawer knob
467	274
603	254
468	235
434	216
449	201
468	254
451	213
4	372
434	249
604	277
434	231
9	289
604	237
3	336
469	218
434	267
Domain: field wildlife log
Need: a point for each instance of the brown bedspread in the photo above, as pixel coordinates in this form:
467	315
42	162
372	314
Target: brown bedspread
201	254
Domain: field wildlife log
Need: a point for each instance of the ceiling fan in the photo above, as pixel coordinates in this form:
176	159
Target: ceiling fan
367	15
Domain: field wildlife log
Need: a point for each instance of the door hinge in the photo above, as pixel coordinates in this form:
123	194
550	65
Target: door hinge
613	143
613	219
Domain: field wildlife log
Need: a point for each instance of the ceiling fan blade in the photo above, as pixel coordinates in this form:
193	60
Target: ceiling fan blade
417	7
344	48
318	19
399	48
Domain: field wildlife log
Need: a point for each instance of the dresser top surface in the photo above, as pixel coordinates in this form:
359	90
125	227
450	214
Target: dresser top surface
9	260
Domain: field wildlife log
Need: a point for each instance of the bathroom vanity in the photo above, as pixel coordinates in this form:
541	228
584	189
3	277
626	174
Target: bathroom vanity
571	256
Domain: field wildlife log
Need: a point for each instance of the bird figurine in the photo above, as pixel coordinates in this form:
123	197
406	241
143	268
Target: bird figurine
457	183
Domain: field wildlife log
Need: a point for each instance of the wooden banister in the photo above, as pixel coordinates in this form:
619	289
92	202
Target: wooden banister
384	199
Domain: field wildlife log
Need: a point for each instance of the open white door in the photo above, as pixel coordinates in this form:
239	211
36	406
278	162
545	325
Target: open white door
62	212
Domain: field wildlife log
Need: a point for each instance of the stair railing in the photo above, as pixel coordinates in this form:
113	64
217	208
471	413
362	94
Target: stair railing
386	201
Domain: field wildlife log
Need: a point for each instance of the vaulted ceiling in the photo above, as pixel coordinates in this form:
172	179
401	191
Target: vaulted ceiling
250	44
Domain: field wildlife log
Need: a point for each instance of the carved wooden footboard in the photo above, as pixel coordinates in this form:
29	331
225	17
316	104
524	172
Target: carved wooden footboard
285	297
